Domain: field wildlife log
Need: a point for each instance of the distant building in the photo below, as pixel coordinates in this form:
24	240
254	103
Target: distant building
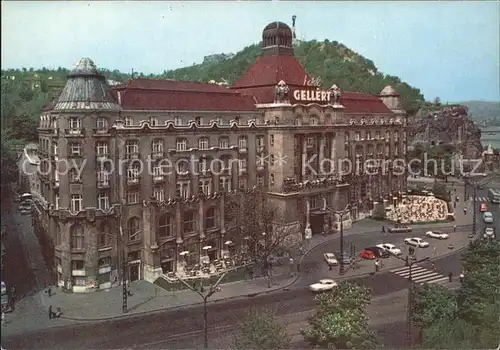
28	165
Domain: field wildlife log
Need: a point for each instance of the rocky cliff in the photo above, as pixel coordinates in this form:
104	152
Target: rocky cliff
449	125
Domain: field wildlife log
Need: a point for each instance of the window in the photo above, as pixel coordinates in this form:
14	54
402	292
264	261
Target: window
74	176
220	121
242	142
347	137
133	197
260	180
75	123
199	120
133	172
181	145
57	198
182	166
377	135
103	262
165	228
157	171
102	201
271	140
153	121
76	203
203	143
55	149
223	142
203	165
396	136
77	265
387	135
103	178
104	238
157	146
368	135
310	141
177	121
188	222
260	143
77	238
129	121
242	163
102	123
242	183
271	160
182	189
272	179
75	149
224	184
314	121
210	218
205	186
131	148
158	193
101	148
357	136
134	229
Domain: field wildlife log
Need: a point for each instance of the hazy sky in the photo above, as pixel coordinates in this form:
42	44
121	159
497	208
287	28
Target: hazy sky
447	49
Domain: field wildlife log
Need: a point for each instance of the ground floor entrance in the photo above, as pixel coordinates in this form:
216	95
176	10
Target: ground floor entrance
134	273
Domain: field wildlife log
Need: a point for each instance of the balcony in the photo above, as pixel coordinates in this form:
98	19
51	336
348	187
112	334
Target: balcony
74	132
157	155
132	180
158	178
101	132
102	157
78	273
242	150
310	145
104	269
132	155
103	184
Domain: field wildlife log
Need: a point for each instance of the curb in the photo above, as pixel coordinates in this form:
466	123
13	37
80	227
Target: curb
168	308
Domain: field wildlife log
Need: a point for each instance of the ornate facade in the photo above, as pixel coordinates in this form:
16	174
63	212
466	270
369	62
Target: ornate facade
141	172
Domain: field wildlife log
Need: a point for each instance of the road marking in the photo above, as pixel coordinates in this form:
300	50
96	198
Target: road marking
420	275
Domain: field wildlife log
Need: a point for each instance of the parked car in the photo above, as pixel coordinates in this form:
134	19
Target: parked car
330	259
400	229
367	254
483	208
379	252
489	232
323	285
488	217
417	242
437	234
390	248
346	260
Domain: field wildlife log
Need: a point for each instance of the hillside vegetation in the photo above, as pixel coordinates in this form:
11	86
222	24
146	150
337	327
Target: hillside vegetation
26	90
484	112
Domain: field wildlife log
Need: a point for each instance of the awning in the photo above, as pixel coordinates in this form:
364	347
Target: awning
319	212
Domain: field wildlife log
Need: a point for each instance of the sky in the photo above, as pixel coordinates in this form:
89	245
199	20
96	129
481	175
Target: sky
446	49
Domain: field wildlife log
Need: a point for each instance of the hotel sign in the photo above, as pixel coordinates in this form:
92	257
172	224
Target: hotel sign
309	95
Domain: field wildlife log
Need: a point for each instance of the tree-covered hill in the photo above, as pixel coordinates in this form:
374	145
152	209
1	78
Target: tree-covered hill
332	61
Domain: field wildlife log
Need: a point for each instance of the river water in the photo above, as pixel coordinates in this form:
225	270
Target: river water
494	138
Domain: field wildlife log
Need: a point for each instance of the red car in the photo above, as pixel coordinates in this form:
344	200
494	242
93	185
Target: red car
367	254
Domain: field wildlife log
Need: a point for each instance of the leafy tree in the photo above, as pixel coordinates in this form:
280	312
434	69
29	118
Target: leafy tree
433	303
261	330
339	321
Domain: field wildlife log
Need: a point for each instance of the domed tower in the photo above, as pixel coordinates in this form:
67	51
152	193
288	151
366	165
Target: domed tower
85	89
390	98
277	39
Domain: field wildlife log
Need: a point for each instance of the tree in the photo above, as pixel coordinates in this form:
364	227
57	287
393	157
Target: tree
261	226
339	321
261	330
431	304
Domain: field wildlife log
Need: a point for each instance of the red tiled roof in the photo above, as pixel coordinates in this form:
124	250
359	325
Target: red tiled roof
133	99
269	70
172	85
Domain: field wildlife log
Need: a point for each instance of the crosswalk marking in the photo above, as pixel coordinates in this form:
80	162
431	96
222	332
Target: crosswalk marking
482	199
420	275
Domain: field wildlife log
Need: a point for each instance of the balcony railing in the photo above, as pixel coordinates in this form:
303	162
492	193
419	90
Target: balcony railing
242	149
78	273
103	184
158	178
132	180
132	155
74	132
157	155
101	131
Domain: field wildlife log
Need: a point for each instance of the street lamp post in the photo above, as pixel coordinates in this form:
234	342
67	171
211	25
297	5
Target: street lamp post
341	214
410	300
205	296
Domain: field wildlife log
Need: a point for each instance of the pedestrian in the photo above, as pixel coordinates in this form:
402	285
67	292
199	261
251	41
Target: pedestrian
461	277
49	291
50	312
465	211
377	265
298	267
407	261
434	267
454	228
450	276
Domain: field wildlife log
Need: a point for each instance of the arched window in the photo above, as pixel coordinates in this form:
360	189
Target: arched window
77	237
133	229
104	238
165	227
210	218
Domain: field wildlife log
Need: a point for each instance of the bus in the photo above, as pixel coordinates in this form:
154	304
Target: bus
494	195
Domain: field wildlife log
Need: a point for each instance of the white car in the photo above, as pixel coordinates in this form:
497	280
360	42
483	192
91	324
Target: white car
489	232
417	242
330	259
323	285
437	234
390	248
